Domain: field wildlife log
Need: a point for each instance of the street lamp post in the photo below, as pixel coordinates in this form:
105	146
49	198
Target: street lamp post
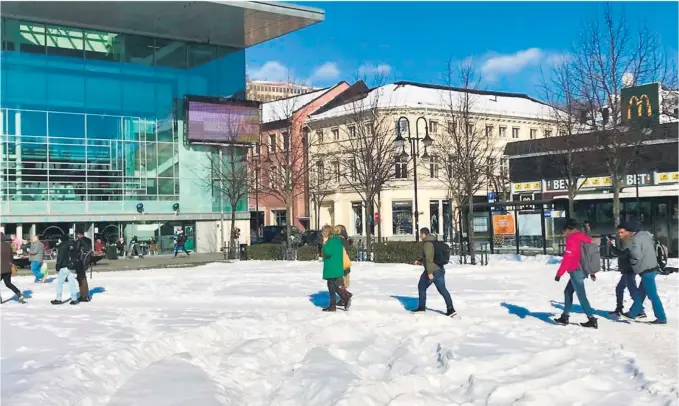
414	143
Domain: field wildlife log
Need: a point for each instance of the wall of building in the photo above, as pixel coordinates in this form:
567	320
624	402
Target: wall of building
88	120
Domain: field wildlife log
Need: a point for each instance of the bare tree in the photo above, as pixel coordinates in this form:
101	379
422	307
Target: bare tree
322	181
285	164
567	111
366	149
607	57
467	150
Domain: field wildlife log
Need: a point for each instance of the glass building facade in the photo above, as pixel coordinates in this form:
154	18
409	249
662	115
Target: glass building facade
89	122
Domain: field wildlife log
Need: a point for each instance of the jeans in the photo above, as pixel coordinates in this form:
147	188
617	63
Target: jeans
35	268
576	285
648	288
440	282
627	280
65	273
7	278
336	288
180	247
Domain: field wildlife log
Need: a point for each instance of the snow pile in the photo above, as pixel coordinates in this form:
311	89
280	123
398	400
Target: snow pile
253	333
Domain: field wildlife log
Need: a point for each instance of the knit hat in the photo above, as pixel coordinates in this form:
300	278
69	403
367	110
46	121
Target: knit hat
632	226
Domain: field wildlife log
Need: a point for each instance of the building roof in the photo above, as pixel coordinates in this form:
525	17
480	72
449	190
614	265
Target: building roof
236	24
419	95
282	109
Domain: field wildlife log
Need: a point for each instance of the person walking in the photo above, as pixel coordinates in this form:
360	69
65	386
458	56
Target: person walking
433	273
346	243
333	269
644	262
68	257
84	249
571	264
6	267
627	275
180	244
36	255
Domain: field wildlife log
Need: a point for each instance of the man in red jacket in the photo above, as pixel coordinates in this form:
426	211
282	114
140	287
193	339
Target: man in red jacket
571	264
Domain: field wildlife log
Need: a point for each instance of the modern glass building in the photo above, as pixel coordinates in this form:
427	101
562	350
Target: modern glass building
91	98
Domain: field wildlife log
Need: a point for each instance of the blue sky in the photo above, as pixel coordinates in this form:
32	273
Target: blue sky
414	40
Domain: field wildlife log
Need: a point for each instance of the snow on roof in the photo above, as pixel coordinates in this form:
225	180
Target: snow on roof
283	108
413	95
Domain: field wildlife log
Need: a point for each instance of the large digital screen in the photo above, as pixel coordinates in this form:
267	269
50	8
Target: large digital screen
221	120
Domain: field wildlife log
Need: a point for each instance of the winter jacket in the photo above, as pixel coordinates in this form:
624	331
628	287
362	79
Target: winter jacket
571	257
5	256
346	244
428	254
333	259
36	252
62	255
622	253
642	252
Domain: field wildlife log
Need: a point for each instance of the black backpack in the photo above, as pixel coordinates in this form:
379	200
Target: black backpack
73	255
441	253
661	254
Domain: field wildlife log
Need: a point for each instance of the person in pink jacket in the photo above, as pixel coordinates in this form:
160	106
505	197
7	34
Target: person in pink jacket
571	265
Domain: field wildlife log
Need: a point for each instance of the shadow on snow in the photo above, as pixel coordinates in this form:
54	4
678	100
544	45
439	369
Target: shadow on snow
522	313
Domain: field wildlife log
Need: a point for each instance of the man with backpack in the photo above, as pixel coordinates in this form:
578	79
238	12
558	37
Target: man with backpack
68	257
627	276
644	262
435	254
572	264
180	244
84	248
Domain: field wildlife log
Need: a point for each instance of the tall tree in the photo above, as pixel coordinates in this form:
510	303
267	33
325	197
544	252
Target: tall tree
468	153
607	57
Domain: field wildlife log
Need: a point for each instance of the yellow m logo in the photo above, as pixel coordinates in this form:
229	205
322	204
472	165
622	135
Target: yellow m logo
639	102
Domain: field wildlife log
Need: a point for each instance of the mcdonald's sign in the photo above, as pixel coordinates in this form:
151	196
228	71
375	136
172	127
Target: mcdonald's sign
641	103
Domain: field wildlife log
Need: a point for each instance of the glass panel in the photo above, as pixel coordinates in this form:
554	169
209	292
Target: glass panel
24	37
434	222
101	45
65	41
357	217
104	127
402	218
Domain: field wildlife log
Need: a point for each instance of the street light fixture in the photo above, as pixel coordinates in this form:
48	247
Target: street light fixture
414	142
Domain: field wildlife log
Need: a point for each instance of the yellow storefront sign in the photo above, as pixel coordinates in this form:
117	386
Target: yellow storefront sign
527	186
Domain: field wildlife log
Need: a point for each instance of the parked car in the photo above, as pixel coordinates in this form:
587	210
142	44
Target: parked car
311	237
276	235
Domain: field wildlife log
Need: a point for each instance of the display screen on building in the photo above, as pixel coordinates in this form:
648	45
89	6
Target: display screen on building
222	120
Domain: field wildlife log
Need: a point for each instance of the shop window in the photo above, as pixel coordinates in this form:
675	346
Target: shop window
402	218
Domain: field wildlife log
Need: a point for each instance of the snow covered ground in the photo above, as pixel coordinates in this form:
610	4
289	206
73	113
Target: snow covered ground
252	333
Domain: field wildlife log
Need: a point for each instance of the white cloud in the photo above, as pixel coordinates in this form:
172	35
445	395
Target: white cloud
325	72
273	71
507	64
370	69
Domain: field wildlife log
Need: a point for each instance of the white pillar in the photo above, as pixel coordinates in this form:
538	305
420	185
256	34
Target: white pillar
20	230
31	230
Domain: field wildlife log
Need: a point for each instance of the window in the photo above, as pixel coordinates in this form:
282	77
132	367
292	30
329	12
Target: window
401	168
335	134
433	127
452	125
354	170
470	129
369	130
319	135
533	133
491	165
402	215
504	169
272	143
336	169
320	172
433	167
286	142
503	132
548	133
562	133
489	131
280	217
515	132
352	132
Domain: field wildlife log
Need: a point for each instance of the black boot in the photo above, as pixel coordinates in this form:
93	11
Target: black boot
563	320
331	308
591	323
345	298
451	312
617	312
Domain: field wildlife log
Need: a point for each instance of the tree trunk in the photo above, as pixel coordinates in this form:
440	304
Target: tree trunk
368	234
470	227
233	244
615	183
572	191
288	223
378	222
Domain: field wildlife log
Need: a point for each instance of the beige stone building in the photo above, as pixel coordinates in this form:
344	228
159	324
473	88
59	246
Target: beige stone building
265	91
504	117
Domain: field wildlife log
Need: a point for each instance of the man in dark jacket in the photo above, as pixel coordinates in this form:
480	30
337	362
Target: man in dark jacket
68	257
627	276
433	273
6	267
84	245
644	261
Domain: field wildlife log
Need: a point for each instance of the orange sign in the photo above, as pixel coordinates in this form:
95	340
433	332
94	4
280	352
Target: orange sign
503	224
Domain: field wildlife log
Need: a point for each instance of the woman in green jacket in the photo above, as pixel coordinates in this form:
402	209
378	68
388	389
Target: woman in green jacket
333	269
